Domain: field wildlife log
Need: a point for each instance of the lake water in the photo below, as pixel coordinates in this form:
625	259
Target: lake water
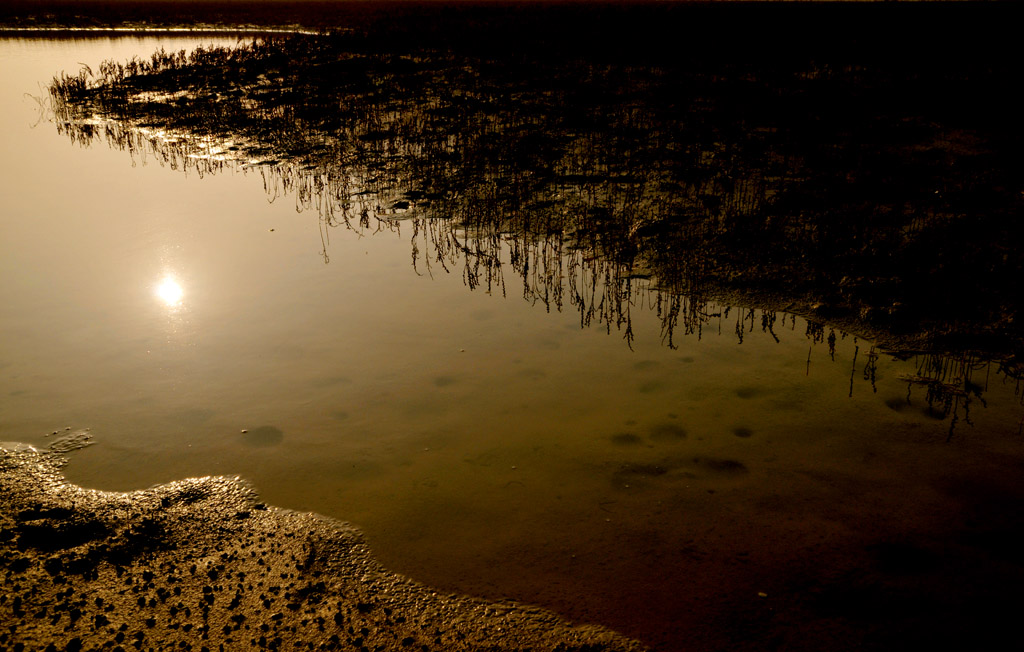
743	480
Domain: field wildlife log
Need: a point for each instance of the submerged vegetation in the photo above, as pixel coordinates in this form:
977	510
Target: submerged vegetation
877	196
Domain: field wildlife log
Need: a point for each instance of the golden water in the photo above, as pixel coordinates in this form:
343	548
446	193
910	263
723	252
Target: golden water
484	443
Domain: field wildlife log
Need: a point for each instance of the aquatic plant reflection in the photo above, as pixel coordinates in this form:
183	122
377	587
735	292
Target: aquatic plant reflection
952	383
697	178
839	190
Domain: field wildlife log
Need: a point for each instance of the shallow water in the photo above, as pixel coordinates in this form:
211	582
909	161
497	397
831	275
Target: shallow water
485	444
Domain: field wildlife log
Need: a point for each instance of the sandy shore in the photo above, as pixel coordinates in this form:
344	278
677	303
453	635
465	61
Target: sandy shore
201	564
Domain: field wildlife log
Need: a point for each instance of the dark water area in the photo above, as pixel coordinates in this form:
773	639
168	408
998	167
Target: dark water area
768	393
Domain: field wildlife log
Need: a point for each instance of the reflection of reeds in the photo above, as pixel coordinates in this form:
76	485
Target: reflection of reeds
604	185
950	384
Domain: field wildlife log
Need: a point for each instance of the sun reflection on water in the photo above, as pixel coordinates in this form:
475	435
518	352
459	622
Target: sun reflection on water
170	292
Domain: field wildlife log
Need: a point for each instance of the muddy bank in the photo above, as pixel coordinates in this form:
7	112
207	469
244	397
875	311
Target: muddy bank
200	564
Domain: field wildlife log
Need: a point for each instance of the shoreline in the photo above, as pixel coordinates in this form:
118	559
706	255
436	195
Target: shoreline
150	31
201	564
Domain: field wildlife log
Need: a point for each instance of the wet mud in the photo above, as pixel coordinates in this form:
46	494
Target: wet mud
200	564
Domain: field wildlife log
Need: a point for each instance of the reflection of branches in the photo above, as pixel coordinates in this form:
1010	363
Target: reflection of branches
768	323
43	107
815	331
570	156
949	384
588	159
871	369
853	367
603	187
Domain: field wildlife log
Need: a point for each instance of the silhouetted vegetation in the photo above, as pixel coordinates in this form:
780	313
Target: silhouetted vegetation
873	195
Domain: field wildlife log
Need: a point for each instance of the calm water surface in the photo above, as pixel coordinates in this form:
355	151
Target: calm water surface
484	443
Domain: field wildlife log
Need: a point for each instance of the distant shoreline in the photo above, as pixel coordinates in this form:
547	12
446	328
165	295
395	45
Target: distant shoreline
129	31
153	30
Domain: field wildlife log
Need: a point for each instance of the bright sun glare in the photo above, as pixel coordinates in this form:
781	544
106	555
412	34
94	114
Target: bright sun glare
170	291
